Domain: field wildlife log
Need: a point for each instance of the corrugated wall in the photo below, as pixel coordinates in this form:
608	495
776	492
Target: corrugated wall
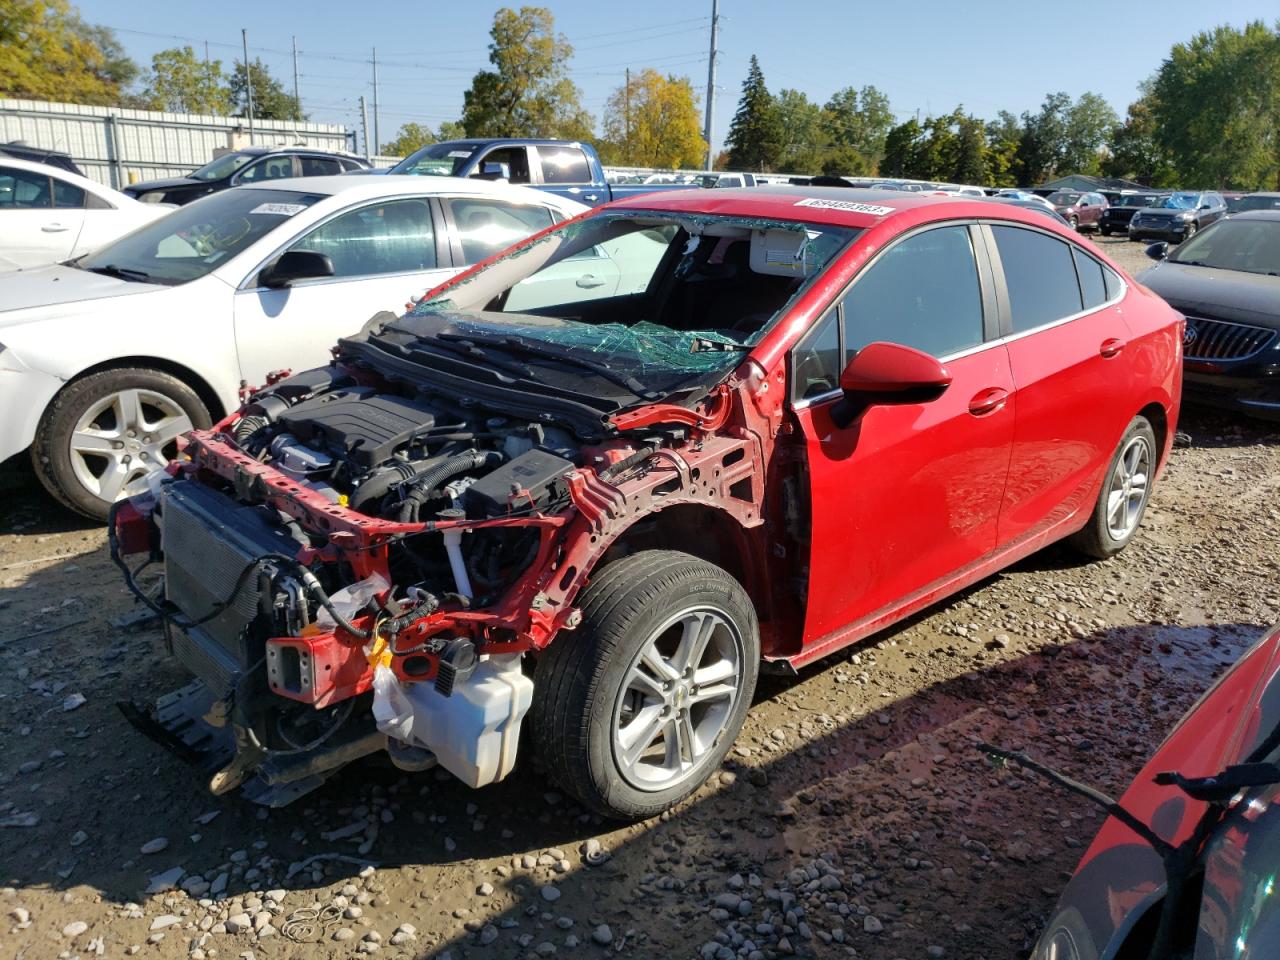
118	146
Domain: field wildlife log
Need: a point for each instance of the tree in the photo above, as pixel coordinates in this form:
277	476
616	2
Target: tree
181	83
270	102
410	137
803	141
858	120
901	147
969	162
1043	138
48	53
755	135
1216	107
1003	135
1135	154
451	130
654	123
528	93
1089	122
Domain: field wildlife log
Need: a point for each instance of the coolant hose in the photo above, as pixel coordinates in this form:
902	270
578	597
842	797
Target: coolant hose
427	482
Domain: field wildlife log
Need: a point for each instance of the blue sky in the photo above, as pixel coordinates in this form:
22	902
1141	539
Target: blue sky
928	56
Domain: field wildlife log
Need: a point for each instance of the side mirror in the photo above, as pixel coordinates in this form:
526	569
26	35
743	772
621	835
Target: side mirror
1158	251
1206	206
888	373
493	171
295	265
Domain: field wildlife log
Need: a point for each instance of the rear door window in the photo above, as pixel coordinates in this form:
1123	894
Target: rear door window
564	165
319	166
487	226
1093	286
67	195
1040	276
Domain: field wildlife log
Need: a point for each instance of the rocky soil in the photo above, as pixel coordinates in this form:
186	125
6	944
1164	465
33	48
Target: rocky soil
854	819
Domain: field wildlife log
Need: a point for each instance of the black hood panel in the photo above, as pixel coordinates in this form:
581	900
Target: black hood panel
1225	294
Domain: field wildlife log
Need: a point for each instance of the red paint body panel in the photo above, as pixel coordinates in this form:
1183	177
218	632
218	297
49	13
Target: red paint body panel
905	496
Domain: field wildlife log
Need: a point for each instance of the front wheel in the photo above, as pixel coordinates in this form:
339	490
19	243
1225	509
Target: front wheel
1126	489
1105	231
1189	232
103	434
638	706
1074	221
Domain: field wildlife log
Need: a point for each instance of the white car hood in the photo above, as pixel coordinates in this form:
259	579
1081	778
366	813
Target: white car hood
56	291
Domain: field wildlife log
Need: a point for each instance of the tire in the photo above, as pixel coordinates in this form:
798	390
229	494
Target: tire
1105	231
1108	530
84	451
590	688
1188	233
1074	221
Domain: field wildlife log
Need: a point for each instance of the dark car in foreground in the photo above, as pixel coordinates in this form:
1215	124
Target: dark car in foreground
1040	208
1209	794
1082	210
1226	281
1179	217
250	165
1115	219
609	514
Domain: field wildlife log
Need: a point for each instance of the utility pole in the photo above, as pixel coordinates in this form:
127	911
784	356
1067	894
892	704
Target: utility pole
711	82
248	81
296	96
626	97
206	51
364	126
376	140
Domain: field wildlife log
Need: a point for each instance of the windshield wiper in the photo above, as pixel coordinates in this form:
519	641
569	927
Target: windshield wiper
470	351
628	383
123	273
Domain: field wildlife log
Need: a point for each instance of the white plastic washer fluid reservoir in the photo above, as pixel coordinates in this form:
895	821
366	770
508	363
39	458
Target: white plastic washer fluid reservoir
474	733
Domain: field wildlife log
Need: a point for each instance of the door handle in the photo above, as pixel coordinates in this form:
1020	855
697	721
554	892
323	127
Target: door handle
988	401
587	281
593	197
1110	347
53	228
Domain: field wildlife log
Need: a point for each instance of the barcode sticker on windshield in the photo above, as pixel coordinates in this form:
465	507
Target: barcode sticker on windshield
279	209
849	205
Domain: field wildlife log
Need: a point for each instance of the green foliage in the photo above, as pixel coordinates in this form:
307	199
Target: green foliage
270	101
528	92
1064	137
1135	153
803	140
410	137
180	82
1215	104
858	121
900	147
48	53
653	122
755	135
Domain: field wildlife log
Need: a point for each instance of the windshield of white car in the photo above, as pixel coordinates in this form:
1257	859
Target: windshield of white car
223	167
1251	246
193	240
437	160
649	298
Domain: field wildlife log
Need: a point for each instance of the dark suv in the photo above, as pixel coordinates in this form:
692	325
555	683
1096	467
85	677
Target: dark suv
1082	210
1115	219
250	165
1178	217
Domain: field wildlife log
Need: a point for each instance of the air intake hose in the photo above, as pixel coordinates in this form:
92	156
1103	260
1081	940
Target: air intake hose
426	483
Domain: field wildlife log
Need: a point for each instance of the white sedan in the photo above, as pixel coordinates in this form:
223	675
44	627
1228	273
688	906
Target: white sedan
48	214
106	360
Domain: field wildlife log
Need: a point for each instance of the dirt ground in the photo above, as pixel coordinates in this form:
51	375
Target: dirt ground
854	818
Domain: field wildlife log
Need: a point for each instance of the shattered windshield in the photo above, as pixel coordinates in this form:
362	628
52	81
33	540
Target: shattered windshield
1182	201
638	301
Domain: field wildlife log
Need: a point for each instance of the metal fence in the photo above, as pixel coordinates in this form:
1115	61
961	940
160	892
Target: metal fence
116	146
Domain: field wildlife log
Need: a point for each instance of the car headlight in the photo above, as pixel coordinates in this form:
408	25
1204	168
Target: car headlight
1185	215
152	196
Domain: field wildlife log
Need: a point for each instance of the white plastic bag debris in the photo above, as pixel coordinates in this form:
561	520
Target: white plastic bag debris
392	711
351	600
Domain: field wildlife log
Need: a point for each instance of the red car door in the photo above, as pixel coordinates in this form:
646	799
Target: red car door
1067	339
906	494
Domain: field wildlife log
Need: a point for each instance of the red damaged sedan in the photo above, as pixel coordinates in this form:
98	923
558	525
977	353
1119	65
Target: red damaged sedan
596	484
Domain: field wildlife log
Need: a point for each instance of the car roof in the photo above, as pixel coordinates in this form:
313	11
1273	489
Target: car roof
393	185
258	151
1257	214
840	206
1263	193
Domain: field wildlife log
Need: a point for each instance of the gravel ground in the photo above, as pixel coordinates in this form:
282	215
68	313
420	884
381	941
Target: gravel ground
854	818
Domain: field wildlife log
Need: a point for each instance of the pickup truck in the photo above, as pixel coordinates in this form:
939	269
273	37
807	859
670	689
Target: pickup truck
565	167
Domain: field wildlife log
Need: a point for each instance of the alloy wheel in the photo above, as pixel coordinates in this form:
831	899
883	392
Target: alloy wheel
677	699
123	437
1129	485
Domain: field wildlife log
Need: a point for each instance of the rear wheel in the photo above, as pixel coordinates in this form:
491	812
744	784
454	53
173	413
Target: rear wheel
1074	221
638	706
1125	492
1105	231
103	434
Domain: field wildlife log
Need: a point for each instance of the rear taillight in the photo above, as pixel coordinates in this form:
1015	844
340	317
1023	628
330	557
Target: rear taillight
133	529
